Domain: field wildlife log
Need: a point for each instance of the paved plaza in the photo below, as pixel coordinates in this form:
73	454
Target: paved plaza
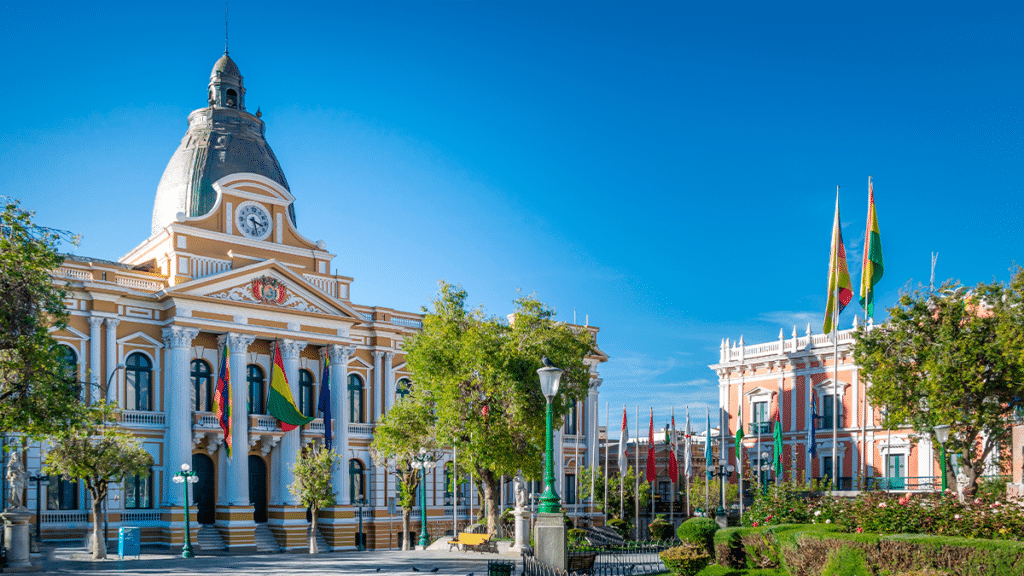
424	563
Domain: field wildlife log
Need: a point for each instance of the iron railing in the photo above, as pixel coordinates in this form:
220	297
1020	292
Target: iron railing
631	558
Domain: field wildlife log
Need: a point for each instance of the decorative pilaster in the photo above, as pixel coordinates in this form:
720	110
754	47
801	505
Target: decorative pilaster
95	372
389	380
113	395
378	395
178	439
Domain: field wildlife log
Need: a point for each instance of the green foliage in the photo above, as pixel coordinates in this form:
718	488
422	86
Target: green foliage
685	560
925	572
479	373
312	473
37	395
846	561
628	486
699	531
621	526
576	536
705	494
779	504
660	529
97	454
956	357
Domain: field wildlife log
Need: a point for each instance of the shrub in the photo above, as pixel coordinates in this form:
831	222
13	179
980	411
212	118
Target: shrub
660	529
576	535
925	572
846	561
620	526
782	504
699	531
685	560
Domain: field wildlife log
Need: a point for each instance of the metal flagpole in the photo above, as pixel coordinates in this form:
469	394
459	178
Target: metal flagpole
636	477
455	493
835	379
607	427
595	459
624	467
672	494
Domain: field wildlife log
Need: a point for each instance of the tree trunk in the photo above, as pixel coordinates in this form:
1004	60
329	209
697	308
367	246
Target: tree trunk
313	549
99	542
406	512
492	492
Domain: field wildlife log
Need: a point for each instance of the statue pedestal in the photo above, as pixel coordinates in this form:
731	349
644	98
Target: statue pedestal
551	542
522	525
16	531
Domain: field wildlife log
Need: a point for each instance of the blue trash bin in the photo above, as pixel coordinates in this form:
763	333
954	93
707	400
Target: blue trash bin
129	541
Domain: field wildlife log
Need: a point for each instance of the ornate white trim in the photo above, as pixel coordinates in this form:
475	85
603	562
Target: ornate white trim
294	301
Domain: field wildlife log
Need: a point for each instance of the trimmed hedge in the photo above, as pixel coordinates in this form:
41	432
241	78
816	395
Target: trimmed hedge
685	560
699	531
804	550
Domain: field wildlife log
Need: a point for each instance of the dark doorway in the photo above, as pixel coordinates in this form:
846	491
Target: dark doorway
258	488
204	491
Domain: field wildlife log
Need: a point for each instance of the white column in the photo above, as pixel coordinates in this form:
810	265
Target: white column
113	394
94	358
376	390
178	437
238	464
389	381
339	412
286	452
592	422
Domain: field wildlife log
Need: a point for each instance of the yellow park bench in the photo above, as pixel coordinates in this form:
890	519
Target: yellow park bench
474	542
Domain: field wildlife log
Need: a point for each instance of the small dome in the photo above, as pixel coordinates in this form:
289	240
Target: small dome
225	66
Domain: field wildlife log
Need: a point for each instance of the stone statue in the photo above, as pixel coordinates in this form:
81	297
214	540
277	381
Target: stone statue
520	489
16	478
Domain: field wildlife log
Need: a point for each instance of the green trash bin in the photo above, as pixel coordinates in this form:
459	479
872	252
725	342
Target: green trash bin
501	567
129	541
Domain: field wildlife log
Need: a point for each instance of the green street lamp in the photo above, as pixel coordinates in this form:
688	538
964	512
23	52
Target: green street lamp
423	462
360	539
550	503
942	435
186	477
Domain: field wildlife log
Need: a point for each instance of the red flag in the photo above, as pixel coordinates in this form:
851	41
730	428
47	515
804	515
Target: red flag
652	471
623	439
673	466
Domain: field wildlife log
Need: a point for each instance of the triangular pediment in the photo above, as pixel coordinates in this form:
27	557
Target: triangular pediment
269	283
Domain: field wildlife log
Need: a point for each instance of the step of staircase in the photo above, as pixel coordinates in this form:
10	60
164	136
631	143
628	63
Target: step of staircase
265	541
209	538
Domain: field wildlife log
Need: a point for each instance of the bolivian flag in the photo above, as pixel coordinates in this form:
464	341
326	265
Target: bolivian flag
222	398
281	404
871	272
838	275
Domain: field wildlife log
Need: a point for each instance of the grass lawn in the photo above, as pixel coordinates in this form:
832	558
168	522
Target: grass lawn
716	570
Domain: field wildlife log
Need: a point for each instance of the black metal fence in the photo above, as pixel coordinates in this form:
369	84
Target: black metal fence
633	558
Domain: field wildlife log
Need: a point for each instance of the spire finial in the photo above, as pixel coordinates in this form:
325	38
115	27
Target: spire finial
225	26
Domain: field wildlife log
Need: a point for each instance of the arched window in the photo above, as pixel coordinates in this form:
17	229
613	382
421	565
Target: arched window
307	400
62	494
356	397
69	360
356	480
403	387
138	491
257	388
138	374
202	386
570	419
448	484
232	99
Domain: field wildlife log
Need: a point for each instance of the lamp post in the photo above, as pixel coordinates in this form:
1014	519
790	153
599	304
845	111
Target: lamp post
942	435
360	502
185	477
40	480
549	501
766	472
423	462
723	470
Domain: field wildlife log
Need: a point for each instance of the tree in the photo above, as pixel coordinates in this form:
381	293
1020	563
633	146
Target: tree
399	436
312	484
37	395
615	484
480	374
953	356
98	455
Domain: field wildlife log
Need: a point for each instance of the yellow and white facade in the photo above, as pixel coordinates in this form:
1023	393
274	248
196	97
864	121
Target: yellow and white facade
227	265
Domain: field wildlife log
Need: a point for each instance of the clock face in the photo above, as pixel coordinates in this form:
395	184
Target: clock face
253	220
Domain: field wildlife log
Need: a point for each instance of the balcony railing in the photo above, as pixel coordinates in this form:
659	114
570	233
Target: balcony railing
365	429
140	418
909	483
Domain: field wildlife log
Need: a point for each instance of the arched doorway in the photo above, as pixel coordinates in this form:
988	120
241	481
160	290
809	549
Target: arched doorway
204	491
258	488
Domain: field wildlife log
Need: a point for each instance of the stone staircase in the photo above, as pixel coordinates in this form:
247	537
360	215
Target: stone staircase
265	541
209	538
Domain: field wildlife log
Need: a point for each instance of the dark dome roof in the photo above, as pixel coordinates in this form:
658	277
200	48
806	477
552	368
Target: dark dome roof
226	66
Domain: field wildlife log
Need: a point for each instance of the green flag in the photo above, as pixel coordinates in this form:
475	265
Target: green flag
778	445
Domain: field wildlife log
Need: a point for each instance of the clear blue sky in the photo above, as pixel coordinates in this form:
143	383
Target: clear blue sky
668	171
